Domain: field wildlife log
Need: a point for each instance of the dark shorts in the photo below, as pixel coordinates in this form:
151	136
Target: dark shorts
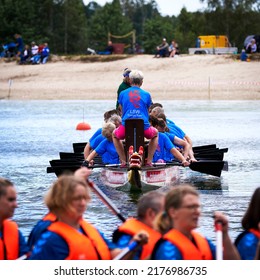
149	133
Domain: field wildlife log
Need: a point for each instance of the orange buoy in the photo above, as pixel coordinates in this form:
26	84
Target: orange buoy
83	126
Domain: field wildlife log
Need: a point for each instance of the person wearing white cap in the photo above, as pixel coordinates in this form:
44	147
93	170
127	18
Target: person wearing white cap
163	49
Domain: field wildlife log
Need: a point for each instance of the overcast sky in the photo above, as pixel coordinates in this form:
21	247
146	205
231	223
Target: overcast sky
169	7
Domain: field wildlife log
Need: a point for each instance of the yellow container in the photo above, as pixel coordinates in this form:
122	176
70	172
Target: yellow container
213	41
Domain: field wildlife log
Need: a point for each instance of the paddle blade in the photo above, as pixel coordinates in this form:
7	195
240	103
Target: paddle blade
210	167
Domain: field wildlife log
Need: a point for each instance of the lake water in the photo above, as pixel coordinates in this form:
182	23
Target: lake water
34	132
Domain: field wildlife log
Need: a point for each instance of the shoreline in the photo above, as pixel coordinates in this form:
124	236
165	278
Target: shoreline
186	77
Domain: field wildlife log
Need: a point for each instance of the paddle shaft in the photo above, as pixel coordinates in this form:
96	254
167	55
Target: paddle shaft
132	246
219	241
106	200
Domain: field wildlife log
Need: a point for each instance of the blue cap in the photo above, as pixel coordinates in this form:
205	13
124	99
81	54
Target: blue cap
126	72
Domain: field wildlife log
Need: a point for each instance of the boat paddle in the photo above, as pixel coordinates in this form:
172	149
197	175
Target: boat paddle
210	167
132	246
219	240
106	200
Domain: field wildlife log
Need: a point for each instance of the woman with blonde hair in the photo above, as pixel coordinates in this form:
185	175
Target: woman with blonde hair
178	222
71	237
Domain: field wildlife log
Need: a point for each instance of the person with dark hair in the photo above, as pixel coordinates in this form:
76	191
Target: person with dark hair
163	49
19	44
124	85
178	222
166	149
248	241
149	205
12	241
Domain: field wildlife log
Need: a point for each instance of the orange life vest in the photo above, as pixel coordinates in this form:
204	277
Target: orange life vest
82	247
9	243
255	232
49	217
188	250
133	226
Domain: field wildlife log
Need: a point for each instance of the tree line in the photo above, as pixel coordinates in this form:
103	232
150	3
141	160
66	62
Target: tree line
70	26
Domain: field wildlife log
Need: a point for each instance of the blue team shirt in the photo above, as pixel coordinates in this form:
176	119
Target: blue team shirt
52	246
37	231
108	152
98	132
124	240
135	103
94	142
163	148
247	246
174	129
167	251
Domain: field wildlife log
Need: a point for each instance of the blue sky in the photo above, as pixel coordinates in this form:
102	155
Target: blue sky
169	7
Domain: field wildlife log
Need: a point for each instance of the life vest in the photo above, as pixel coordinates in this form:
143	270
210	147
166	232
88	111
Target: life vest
82	247
133	226
9	243
188	250
49	217
255	232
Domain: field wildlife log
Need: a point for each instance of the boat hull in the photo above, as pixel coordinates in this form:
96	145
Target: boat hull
150	179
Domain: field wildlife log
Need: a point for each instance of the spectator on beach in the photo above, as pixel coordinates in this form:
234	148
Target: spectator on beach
12	241
243	56
71	237
45	53
149	205
172	49
26	55
124	85
107	51
178	222
19	45
251	46
134	102
248	241
163	49
35	56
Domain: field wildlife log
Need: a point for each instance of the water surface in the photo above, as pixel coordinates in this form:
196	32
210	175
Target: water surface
34	132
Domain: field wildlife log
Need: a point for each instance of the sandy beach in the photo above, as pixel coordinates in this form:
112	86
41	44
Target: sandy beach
215	77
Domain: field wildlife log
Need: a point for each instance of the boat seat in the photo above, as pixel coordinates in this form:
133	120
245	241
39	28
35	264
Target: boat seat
134	134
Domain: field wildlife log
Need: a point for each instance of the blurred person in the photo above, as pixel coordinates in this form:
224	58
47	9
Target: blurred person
71	237
248	240
149	205
163	49
178	222
42	225
12	242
